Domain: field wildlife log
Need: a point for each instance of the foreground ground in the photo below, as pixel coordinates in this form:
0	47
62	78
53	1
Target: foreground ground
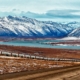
13	64
66	73
17	64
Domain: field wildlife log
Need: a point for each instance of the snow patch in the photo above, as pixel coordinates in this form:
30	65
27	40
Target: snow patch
71	38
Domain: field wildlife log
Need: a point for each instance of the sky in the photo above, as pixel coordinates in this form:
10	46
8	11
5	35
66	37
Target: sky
62	10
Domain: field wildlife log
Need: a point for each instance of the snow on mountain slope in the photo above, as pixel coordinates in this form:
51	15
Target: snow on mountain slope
26	27
75	33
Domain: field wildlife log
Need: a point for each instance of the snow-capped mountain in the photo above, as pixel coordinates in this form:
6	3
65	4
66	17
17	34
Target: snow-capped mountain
75	33
26	27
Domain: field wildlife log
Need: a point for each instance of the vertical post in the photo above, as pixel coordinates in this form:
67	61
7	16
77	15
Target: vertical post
11	53
1	52
18	54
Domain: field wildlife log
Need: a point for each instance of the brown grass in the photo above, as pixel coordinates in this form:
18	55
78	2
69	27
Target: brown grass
10	65
47	52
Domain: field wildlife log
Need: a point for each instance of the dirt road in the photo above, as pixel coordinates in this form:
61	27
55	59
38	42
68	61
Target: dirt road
68	73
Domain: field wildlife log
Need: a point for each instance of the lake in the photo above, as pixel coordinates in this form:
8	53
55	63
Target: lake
39	43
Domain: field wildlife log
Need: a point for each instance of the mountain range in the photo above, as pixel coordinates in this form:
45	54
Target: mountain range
75	33
12	26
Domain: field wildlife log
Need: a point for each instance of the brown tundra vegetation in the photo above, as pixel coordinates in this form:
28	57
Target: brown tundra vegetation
10	64
16	64
45	52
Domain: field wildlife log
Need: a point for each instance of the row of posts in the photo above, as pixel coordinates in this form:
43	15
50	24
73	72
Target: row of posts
37	57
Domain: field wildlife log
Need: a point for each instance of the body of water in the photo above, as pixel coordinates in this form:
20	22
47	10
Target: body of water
38	43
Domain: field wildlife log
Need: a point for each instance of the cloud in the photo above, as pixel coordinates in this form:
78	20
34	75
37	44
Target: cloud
67	14
38	6
51	14
63	13
41	9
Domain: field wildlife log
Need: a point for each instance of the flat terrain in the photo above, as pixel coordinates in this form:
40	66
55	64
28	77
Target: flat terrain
12	67
17	64
66	73
46	52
